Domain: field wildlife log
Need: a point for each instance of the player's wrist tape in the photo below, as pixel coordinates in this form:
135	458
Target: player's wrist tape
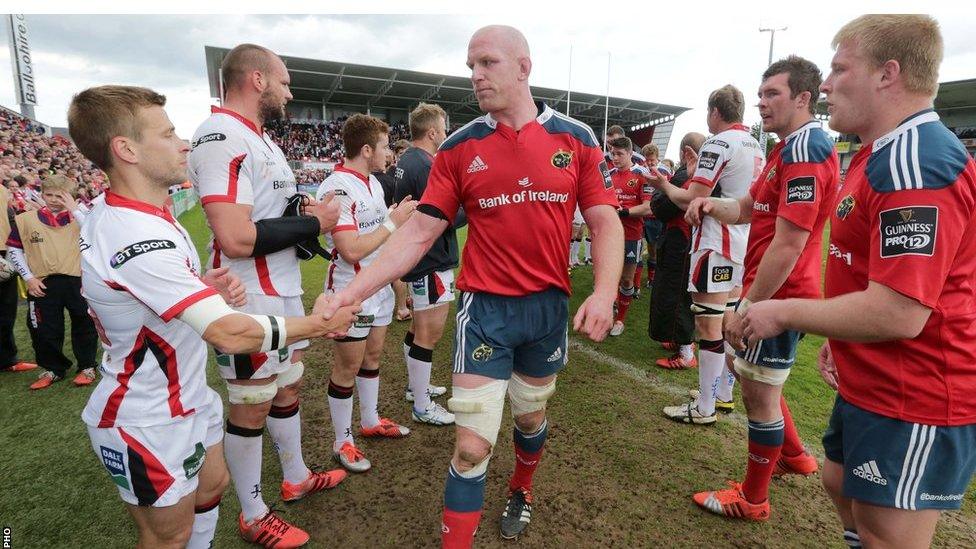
743	306
275	334
390	225
279	233
205	312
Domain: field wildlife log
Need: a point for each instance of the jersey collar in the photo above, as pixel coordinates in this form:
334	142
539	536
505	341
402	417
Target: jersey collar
119	201
545	113
214	109
913	121
739	127
809	125
342	168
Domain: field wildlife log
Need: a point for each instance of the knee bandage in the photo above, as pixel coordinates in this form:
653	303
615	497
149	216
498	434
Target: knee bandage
251	394
480	409
527	398
291	375
708	309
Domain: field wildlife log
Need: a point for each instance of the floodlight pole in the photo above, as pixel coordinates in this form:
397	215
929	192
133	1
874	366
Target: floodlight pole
569	82
772	38
606	109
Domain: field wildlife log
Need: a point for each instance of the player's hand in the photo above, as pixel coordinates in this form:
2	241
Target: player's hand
825	363
227	284
36	287
338	325
326	210
763	320
594	318
400	213
328	304
68	202
655	178
733	332
691	160
697	210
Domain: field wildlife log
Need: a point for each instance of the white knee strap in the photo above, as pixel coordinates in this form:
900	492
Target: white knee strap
291	375
480	409
251	394
527	398
708	309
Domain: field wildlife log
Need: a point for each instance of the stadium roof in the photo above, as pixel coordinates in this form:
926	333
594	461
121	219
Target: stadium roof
362	87
960	94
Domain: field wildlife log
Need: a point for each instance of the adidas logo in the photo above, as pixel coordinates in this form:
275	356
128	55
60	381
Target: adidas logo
556	355
869	471
477	165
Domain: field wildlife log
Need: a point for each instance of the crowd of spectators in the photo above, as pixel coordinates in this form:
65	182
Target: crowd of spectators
318	141
27	155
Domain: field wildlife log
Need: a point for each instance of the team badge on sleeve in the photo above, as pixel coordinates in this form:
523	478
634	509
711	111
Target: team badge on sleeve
801	189
562	159
708	160
605	171
909	231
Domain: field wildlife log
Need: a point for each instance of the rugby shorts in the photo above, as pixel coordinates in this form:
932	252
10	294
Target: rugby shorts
497	335
158	465
711	273
769	361
633	251
434	289
377	311
893	463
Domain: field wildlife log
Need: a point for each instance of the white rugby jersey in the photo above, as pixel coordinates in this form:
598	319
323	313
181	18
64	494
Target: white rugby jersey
232	160
139	271
728	163
361	208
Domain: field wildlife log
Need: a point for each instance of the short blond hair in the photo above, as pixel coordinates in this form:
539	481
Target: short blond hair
650	150
729	102
423	118
242	60
914	41
57	182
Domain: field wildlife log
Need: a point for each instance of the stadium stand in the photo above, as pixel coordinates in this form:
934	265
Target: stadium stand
27	154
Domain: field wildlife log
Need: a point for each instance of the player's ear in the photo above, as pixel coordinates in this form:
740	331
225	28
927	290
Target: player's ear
121	148
525	68
890	73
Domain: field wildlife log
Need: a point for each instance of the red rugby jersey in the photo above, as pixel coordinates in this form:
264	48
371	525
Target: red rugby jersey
798	184
906	218
519	190
632	190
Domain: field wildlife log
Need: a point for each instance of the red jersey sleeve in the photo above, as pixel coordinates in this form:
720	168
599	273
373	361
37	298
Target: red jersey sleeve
443	190
915	236
805	188
594	185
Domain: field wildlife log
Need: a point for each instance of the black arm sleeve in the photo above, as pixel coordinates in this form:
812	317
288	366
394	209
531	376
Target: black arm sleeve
461	219
278	233
431	211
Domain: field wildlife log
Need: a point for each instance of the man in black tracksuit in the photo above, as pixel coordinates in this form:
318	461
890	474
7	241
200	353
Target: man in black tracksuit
671	321
430	284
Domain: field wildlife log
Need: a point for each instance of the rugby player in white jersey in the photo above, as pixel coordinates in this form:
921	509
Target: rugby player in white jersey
153	422
244	183
727	165
364	225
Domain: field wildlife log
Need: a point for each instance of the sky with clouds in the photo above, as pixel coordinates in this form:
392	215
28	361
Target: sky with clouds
667	52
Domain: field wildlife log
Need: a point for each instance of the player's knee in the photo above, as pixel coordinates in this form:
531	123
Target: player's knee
472	455
529	402
256	396
289	384
479	411
175	535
